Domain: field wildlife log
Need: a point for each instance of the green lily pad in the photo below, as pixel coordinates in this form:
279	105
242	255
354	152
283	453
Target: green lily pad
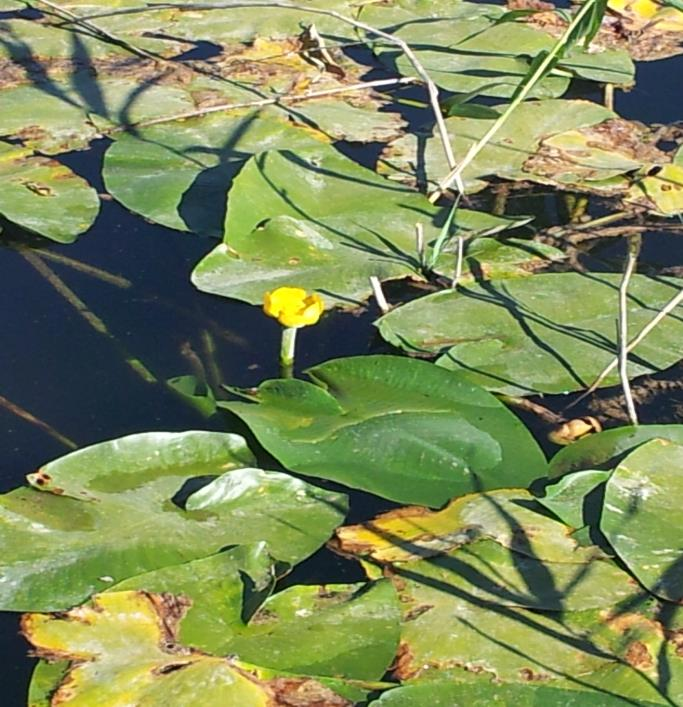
124	645
484	693
487	572
290	631
316	219
576	499
45	679
221	24
396	427
504	156
195	392
465	49
44	196
642	498
449	632
106	512
221	589
601	450
550	333
349	631
59	123
192	164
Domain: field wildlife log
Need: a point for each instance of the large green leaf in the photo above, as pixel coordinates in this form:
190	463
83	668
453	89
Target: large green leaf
221	24
507	152
349	631
106	512
400	428
124	649
550	333
484	693
44	196
291	630
600	450
643	497
576	499
316	219
190	165
449	631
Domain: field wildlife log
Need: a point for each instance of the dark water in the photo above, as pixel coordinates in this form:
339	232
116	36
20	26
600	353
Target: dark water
54	365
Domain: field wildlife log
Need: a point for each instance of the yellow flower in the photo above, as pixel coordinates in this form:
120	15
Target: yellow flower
293	307
648	13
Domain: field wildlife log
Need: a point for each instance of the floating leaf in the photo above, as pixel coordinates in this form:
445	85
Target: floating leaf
642	497
195	392
124	646
661	190
192	164
323	222
644	40
450	632
504	156
44	196
576	499
223	589
45	679
399	428
551	333
292	516
486	571
464	48
59	123
595	152
448	628
291	631
348	631
602	159
484	692
602	450
647	29
232	23
511	517
106	512
219	588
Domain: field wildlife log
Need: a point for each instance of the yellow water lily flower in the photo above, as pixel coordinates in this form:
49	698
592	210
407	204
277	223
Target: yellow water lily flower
293	307
643	8
649	13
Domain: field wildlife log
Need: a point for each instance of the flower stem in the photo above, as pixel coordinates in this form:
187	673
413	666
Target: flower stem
287	351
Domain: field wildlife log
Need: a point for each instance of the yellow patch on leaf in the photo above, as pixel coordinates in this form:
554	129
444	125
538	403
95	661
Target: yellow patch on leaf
123	651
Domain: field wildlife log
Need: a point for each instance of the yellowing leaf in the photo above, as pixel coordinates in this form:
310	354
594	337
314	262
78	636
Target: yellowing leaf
664	189
124	651
504	515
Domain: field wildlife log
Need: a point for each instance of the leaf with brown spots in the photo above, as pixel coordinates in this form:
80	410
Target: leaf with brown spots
123	648
44	196
508	516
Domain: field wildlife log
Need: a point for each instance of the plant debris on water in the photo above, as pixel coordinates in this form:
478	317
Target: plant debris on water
339	152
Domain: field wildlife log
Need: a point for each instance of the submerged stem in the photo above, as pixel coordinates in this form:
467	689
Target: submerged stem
40	424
